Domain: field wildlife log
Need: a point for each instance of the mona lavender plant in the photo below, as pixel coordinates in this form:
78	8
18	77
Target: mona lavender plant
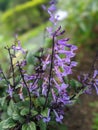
35	101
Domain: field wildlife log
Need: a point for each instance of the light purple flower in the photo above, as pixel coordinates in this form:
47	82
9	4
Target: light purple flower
10	91
59	118
47	119
52	8
95	73
19	48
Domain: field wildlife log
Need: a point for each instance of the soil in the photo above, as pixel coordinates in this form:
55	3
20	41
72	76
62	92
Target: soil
80	116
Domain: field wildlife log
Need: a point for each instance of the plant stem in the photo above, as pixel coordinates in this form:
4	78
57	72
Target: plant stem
22	76
12	67
50	73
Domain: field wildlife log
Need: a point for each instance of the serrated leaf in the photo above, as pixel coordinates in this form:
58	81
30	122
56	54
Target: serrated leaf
45	112
30	58
1	125
75	83
33	112
16	116
24	111
11	108
32	126
42	125
2	101
41	100
9	123
29	126
17	80
3	83
24	126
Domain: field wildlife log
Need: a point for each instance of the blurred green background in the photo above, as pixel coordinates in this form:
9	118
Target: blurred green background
27	19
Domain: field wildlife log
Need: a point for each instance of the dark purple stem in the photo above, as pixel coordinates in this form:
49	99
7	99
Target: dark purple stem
22	76
12	67
50	73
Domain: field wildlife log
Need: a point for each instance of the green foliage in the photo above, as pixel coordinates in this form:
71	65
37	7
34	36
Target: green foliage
56	126
3	4
25	16
94	105
42	125
75	85
24	111
6	124
95	122
82	20
44	113
29	126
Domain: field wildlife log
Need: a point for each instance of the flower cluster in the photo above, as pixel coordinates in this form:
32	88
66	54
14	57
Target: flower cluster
45	90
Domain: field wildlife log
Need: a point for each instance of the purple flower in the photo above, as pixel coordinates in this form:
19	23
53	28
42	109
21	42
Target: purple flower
53	95
52	8
44	86
73	63
95	73
18	48
67	70
10	91
46	62
64	98
63	87
58	117
47	119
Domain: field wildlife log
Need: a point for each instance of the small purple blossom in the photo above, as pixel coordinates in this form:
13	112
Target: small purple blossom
18	48
10	91
58	117
47	119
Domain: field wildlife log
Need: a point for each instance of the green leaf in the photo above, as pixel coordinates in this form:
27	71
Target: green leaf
75	84
32	126
24	126
42	125
11	108
16	116
2	101
45	112
29	126
83	26
41	100
24	111
3	83
17	80
9	123
33	112
1	125
30	58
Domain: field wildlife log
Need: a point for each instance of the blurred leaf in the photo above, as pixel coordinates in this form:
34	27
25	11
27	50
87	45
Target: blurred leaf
9	123
30	58
29	126
24	127
42	125
11	108
33	112
2	101
24	111
44	113
41	100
